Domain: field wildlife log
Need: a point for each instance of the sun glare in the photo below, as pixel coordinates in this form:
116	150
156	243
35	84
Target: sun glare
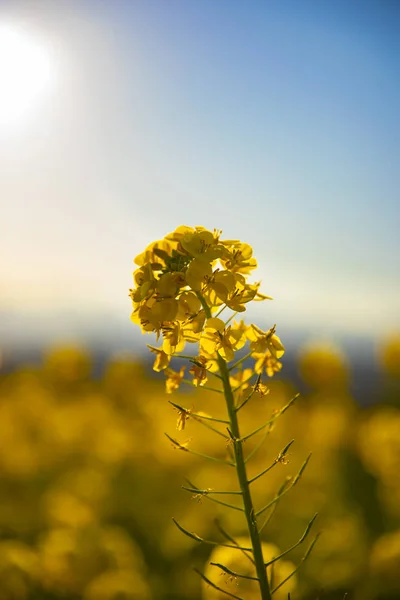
24	73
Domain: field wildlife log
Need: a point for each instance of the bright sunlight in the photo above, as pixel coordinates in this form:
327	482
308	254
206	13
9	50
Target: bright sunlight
24	73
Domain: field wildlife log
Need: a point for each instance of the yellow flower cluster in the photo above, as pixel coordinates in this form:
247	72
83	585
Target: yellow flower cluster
182	285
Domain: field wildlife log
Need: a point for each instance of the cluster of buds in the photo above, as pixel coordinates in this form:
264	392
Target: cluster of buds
182	285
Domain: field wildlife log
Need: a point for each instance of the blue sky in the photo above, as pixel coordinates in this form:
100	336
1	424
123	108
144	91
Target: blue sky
274	121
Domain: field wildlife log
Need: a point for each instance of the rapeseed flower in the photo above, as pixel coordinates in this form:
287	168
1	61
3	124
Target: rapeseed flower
162	358
199	370
174	379
182	284
261	341
218	338
267	363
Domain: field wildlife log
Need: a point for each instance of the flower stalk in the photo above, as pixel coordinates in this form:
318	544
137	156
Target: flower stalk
244	484
182	286
241	472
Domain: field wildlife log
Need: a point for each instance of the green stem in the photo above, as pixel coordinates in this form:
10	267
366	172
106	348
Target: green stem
202	387
239	362
243	482
242	474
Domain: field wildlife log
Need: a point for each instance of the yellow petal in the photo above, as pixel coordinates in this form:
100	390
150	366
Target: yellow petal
196	273
215	323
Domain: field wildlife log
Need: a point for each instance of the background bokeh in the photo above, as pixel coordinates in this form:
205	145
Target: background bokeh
276	122
89	482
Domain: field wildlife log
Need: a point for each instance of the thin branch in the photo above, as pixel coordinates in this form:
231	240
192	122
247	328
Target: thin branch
233	315
258	446
242	383
280	458
217	375
199	419
213	585
289	487
210	427
205	493
306	555
202	387
201	540
232	573
271	466
180	446
272	420
208	491
253	391
221	311
239	362
275	506
301	540
197	416
232	539
247	437
239	508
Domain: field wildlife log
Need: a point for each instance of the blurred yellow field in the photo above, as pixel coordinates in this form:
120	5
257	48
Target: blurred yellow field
89	483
